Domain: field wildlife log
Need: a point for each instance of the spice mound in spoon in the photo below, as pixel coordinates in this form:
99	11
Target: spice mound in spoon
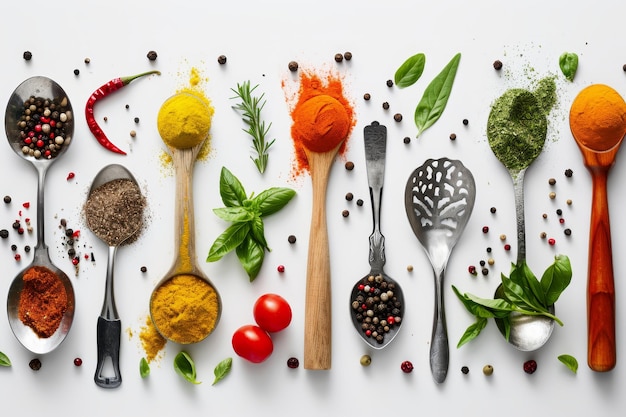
43	301
184	120
321	123
598	117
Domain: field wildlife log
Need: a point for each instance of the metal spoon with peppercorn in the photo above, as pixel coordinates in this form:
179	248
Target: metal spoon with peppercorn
376	300
39	126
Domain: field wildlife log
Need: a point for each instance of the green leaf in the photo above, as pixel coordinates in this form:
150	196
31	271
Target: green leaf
144	368
227	241
436	95
257	229
4	360
556	279
568	62
514	293
410	71
222	369
231	190
273	199
570	362
483	307
472	331
235	214
524	277
185	367
251	255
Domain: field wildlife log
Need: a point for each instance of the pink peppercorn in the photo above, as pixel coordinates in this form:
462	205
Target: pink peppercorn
281	268
507	247
551	241
485	229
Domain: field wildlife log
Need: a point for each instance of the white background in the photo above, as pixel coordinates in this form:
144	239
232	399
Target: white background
259	39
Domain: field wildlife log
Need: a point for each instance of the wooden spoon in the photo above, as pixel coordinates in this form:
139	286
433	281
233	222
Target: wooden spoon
599	147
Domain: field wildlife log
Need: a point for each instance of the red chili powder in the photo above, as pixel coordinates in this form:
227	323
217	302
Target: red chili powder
43	301
322	117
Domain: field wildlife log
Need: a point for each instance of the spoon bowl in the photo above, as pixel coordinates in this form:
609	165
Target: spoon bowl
599	140
377	336
41	157
185	262
109	327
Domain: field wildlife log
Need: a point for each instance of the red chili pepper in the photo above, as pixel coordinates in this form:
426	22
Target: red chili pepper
102	92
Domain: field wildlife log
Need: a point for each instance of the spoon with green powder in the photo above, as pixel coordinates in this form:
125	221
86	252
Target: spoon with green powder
516	130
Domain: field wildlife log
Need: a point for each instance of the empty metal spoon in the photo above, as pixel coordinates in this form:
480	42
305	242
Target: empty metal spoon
439	198
375	137
114	213
46	89
516	147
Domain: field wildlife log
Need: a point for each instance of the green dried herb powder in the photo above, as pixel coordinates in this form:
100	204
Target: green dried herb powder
518	125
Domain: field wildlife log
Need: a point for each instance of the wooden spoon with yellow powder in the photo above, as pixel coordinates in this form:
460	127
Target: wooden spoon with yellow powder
185	306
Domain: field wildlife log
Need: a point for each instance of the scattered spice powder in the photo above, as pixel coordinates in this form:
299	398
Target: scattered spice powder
151	340
43	301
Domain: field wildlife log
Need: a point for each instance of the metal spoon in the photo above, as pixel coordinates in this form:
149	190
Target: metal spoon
439	198
599	147
526	333
45	88
375	136
109	328
186	261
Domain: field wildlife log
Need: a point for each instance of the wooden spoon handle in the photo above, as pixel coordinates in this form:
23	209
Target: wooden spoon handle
600	283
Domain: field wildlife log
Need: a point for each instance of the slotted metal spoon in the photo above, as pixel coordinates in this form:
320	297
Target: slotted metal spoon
439	198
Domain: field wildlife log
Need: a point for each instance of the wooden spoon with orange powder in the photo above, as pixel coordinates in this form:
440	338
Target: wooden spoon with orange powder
321	124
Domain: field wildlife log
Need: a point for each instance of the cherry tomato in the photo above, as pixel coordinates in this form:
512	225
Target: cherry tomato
252	343
272	312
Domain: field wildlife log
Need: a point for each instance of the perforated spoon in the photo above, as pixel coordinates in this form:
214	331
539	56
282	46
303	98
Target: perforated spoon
439	198
45	88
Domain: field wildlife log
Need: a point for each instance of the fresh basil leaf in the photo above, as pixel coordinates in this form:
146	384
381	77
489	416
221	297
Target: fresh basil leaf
235	214
514	293
556	278
410	71
568	62
273	199
570	362
144	368
231	190
227	241
524	277
436	95
4	360
258	232
251	255
222	369
483	307
185	367
472	331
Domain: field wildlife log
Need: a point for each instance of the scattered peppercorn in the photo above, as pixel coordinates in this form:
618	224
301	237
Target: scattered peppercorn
497	65
488	370
4	233
452	136
367	96
407	367
293	66
551	241
338	57
366	360
87	60
27	55
76	71
552	181
569	202
78	361
281	268
17	256
407	140
488	249
397	117
221	59
569	173
347	56
35	364
471	269
491	261
552	195
465	370
484	271
530	366
26	248
507	247
136	119
543	235
133	133
143	269
503	237
359	202
293	363
482	262
345	213
386	105
291	239
349	165
409	268
349	196
544	215
7	199
568	232
389	83
465	122
559	212
13	247
152	55
485	229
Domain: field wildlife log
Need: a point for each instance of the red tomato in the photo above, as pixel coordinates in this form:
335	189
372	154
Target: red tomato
272	312
252	343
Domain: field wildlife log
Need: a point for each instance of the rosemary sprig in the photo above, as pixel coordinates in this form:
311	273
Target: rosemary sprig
251	107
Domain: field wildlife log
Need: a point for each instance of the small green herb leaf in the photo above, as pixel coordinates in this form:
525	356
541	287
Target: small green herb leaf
257	229
436	95
144	368
251	255
4	360
222	369
235	214
556	279
185	367
472	331
273	199
568	62
228	240
231	190
570	362
410	71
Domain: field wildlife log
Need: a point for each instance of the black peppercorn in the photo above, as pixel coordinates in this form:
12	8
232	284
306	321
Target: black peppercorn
338	57
221	59
291	239
624	67
143	269
406	140
4	233
559	212
349	165
465	122
452	136
27	55
7	199
152	55
397	117
492	209
35	364
567	232
359	202
347	56
26	248
569	173
16	224
349	196
76	71
136	119
71	252
497	65
293	66
69	232
293	363
465	370
389	83
552	181
345	213
366	96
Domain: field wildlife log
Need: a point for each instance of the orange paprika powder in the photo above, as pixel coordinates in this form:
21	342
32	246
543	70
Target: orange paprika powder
43	301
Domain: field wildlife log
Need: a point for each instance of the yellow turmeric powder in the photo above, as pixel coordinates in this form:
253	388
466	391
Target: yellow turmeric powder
184	120
598	117
151	340
185	309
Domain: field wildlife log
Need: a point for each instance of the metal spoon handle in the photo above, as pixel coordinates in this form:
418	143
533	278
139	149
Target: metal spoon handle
439	346
518	189
375	138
